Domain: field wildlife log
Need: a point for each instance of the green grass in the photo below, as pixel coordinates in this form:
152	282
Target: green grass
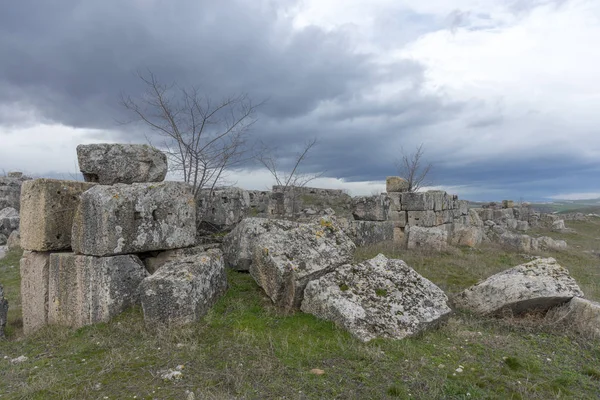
245	348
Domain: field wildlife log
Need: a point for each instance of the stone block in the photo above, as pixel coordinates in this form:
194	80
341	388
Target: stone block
34	290
417	202
140	217
84	290
158	259
399	218
108	164
364	233
47	210
428	238
371	208
425	219
395	184
395	201
443	217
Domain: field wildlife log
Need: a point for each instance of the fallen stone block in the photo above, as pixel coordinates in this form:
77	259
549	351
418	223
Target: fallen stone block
10	190
371	208
537	285
579	315
3	312
522	226
379	298
514	240
155	261
47	210
558	225
547	243
394	184
221	209
84	290
184	290
464	235
136	218
364	233
34	267
428	238
108	164
285	261
9	222
14	241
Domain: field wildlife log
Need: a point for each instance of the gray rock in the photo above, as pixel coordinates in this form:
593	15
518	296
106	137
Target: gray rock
464	235
108	164
9	222
425	219
371	208
559	225
222	209
3	239
238	245
522	226
184	290
34	267
537	285
579	315
155	261
84	290
516	241
364	233
3	312
429	238
399	218
378	298
547	243
3	250
14	241
285	261
417	202
134	218
47	210
10	191
394	184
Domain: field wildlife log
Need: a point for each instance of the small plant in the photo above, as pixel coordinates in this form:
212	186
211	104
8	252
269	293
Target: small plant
396	391
513	363
381	292
592	373
344	287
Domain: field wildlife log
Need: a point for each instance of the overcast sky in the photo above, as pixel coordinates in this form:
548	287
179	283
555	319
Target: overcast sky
504	95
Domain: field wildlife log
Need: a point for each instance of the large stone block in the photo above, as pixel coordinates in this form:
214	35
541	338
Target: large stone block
10	190
537	285
443	217
377	298
121	219
441	200
47	210
426	219
183	290
84	290
108	164
417	202
155	260
395	184
579	315
364	233
371	208
222	209
463	235
399	218
3	312
395	201
9	222
427	238
34	268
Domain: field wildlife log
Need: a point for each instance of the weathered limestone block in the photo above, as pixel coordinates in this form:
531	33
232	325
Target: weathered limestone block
537	285
558	225
34	268
395	201
84	290
547	243
364	233
395	184
183	290
512	223
108	164
3	312
285	261
160	258
516	241
485	214
474	219
430	238
371	208
467	235
417	202
399	218
579	315
222	209
522	226
379	298
461	207
9	222
238	245
443	217
14	241
47	210
441	200
425	219
140	217
10	190
503	215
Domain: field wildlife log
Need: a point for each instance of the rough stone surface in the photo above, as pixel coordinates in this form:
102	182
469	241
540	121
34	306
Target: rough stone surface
34	267
398	218
285	261
559	225
3	312
425	219
154	261
467	236
182	291
580	315
537	285
222	209
84	290
121	219
47	210
364	233
433	238
108	164
14	241
10	190
547	243
378	298
395	184
9	222
516	241
417	201
371	208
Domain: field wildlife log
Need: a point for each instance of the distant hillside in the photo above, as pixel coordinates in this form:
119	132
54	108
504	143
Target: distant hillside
560	206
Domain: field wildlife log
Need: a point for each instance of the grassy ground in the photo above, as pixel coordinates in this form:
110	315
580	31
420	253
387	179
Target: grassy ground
244	348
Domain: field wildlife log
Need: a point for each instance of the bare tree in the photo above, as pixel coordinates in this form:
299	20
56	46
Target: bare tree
412	168
201	137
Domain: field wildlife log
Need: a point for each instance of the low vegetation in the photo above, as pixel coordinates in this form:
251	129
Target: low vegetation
245	348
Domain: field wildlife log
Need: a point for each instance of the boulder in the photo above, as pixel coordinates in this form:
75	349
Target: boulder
522	226
547	243
379	298
9	222
14	241
108	164
515	241
34	267
84	290
558	225
221	209
537	285
140	217
364	233
47	210
371	208
3	312
394	184
429	238
154	261
183	290
474	219
284	262
466	235
10	190
580	315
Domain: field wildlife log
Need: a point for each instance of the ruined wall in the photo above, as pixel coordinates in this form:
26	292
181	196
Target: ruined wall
10	190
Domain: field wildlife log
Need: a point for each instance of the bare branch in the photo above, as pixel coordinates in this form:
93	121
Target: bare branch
411	168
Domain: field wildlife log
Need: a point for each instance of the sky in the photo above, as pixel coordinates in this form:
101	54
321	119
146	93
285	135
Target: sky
503	95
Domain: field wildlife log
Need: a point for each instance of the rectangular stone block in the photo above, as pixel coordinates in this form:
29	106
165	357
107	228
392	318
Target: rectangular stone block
395	201
84	290
372	232
34	290
425	219
122	219
47	210
444	217
441	200
417	202
371	208
399	218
